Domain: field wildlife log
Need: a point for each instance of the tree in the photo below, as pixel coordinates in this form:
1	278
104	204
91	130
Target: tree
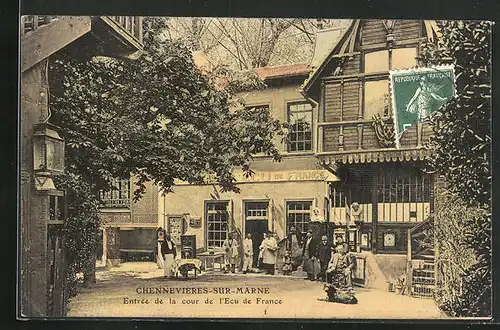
158	117
243	43
462	147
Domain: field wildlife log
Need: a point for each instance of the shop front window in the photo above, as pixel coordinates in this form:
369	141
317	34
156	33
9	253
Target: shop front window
217	217
298	215
256	210
404	196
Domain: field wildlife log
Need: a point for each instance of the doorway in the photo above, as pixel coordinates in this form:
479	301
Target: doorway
256	224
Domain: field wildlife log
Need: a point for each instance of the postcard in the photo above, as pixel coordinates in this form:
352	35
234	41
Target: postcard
256	168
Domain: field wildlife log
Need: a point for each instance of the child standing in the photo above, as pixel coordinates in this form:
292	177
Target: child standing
287	263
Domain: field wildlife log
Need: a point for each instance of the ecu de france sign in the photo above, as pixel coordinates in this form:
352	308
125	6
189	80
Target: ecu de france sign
417	93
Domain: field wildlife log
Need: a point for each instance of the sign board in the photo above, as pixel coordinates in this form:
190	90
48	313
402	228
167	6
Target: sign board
279	176
195	222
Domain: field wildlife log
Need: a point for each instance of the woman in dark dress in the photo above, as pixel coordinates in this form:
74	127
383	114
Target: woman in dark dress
294	245
168	250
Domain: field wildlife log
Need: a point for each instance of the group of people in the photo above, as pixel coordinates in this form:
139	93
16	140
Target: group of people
313	255
268	250
323	261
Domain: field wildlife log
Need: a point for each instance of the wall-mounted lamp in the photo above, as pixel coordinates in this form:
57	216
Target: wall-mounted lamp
48	155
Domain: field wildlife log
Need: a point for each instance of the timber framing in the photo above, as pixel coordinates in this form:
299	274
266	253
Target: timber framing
345	47
48	39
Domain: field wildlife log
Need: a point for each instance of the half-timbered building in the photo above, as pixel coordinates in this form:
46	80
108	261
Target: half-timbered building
356	141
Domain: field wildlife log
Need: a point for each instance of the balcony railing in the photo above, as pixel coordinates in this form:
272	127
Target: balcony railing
33	22
116	203
131	24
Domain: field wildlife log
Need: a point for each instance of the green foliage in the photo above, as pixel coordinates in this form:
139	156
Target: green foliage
82	225
462	147
157	117
456	224
462	142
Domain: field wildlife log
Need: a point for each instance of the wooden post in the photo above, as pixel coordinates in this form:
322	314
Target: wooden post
360	136
419	134
361	97
139	28
375	181
341	133
104	246
321	118
409	267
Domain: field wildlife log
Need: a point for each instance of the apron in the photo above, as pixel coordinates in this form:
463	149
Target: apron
168	263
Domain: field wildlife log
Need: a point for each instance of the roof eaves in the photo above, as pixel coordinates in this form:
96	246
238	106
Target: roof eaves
318	69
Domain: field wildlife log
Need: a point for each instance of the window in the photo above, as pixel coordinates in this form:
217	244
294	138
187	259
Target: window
57	208
403	58
404	196
377	61
298	215
300	120
217	223
400	58
256	210
376	98
342	197
119	196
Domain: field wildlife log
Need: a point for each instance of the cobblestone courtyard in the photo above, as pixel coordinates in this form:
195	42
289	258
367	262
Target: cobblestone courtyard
116	295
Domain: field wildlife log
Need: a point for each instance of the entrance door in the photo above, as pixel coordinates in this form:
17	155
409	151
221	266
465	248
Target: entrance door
257	228
256	223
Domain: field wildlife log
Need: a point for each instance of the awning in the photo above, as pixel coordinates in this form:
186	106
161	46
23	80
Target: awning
374	156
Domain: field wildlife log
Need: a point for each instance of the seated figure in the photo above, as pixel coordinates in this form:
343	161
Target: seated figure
339	286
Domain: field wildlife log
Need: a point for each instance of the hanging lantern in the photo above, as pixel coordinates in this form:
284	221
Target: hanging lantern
48	149
48	155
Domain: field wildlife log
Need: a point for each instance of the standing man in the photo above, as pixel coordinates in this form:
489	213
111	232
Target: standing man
309	255
269	247
230	253
248	253
324	256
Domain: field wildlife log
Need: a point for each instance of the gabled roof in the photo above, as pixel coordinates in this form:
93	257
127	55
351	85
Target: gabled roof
344	46
324	42
326	58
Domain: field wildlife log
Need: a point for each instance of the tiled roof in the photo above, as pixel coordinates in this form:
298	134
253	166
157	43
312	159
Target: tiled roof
270	72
